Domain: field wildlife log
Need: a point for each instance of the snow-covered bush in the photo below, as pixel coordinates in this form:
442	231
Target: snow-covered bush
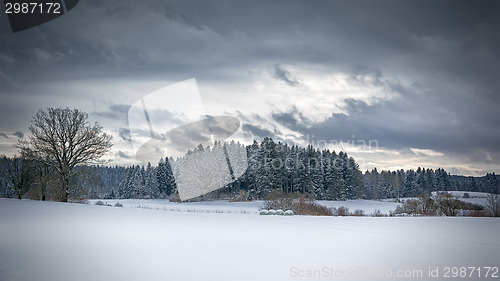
100	203
271	212
118	204
279	212
288	213
263	213
358	213
378	213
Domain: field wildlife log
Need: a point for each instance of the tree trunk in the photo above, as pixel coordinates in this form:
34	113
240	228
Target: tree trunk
44	196
65	188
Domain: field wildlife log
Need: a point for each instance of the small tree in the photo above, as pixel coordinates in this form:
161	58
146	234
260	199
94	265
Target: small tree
15	169
448	205
63	139
493	204
39	174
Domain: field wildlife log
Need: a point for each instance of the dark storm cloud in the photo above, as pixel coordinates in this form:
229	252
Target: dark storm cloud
284	75
400	124
437	60
114	111
124	134
256	131
292	119
123	155
127	38
19	134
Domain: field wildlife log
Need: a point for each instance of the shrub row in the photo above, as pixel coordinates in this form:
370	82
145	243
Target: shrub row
442	205
100	203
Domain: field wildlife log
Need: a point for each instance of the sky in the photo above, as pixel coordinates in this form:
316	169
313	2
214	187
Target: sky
395	84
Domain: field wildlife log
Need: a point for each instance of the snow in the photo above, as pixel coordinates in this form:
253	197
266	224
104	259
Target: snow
253	207
220	207
48	241
472	194
479	198
368	206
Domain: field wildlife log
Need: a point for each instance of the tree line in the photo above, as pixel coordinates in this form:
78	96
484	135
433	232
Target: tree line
272	166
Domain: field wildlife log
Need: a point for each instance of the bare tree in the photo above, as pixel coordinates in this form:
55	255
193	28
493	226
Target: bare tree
62	138
448	205
493	204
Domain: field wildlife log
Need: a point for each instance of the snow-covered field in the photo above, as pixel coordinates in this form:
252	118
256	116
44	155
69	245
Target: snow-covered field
218	207
367	206
48	241
479	198
224	207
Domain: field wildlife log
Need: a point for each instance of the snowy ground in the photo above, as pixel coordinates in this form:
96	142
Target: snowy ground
47	241
479	198
368	206
217	207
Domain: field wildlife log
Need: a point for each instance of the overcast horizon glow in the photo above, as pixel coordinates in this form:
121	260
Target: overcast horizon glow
395	84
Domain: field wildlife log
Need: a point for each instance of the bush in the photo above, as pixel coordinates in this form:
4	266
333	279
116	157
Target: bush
100	203
478	213
424	205
294	203
428	206
410	206
280	200
444	204
342	211
472	206
359	213
448	205
118	204
263	213
378	213
466	195
309	207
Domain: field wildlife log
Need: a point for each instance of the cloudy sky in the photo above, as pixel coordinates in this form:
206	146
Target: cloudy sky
396	84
